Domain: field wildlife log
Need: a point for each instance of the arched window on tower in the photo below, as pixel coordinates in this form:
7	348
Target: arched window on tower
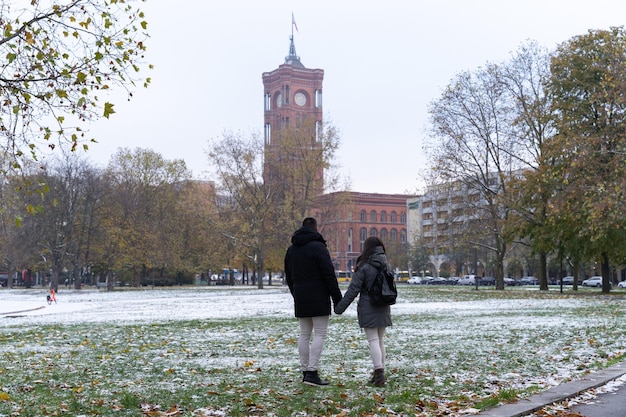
268	133
318	98
268	101
373	216
363	216
362	237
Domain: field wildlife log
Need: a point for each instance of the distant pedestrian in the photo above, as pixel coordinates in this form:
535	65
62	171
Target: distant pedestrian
374	319
310	275
51	297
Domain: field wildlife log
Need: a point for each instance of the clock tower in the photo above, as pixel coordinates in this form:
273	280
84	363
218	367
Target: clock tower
293	124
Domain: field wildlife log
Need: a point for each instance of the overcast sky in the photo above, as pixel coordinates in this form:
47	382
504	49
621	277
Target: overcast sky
383	63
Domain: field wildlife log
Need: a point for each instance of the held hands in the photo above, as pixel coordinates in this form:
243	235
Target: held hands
337	311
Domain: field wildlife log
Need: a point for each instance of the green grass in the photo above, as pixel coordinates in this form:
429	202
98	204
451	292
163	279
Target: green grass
451	349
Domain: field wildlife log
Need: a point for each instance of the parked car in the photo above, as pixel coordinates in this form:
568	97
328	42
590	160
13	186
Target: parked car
414	280
426	280
509	282
437	281
566	281
453	280
529	281
595	281
622	284
487	281
467	280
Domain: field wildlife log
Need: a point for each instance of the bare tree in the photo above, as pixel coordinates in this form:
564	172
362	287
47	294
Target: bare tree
472	151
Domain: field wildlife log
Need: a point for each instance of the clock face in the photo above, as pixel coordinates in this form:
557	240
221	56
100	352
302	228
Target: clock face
300	99
279	100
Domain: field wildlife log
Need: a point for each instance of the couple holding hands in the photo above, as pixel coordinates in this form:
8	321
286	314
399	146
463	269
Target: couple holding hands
310	275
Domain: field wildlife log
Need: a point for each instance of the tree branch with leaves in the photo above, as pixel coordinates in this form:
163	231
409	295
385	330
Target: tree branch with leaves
59	62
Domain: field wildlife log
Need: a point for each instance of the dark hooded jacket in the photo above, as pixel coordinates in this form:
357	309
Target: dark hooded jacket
310	274
369	315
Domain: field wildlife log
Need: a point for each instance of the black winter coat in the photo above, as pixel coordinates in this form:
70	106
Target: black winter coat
310	274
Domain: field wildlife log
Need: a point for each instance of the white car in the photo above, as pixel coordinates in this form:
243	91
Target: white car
414	280
467	280
593	282
622	284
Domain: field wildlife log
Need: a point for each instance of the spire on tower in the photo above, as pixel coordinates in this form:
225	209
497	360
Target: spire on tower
293	59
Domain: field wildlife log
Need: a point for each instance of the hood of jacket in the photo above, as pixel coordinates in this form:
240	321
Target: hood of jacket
378	258
304	235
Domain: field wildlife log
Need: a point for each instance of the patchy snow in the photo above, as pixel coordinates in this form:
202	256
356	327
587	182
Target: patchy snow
98	305
445	343
75	306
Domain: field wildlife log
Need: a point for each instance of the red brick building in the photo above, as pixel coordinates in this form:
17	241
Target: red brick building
348	218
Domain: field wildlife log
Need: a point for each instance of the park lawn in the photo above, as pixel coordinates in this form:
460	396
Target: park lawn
451	352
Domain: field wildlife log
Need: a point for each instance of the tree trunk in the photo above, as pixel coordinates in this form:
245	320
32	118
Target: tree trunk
543	271
606	274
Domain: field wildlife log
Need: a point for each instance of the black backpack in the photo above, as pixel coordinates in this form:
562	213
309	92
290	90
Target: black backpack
382	291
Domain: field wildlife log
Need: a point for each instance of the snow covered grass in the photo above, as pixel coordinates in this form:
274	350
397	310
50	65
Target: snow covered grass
232	351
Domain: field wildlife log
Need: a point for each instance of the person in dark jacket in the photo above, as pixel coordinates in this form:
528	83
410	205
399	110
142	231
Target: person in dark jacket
373	318
310	275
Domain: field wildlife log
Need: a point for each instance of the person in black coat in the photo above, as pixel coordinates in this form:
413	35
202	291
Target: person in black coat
310	275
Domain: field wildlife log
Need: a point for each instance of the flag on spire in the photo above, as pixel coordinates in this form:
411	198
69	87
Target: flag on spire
293	22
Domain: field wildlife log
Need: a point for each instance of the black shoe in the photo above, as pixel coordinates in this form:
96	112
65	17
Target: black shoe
312	378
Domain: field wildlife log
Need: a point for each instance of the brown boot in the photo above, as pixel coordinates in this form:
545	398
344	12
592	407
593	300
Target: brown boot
379	377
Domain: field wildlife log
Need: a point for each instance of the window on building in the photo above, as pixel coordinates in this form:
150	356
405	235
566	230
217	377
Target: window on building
402	236
268	133
393	217
373	232
383	216
362	237
394	235
373	216
363	216
349	240
403	218
318	98
383	235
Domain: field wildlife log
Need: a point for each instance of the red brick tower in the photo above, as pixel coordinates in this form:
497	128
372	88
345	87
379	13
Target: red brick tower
293	107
